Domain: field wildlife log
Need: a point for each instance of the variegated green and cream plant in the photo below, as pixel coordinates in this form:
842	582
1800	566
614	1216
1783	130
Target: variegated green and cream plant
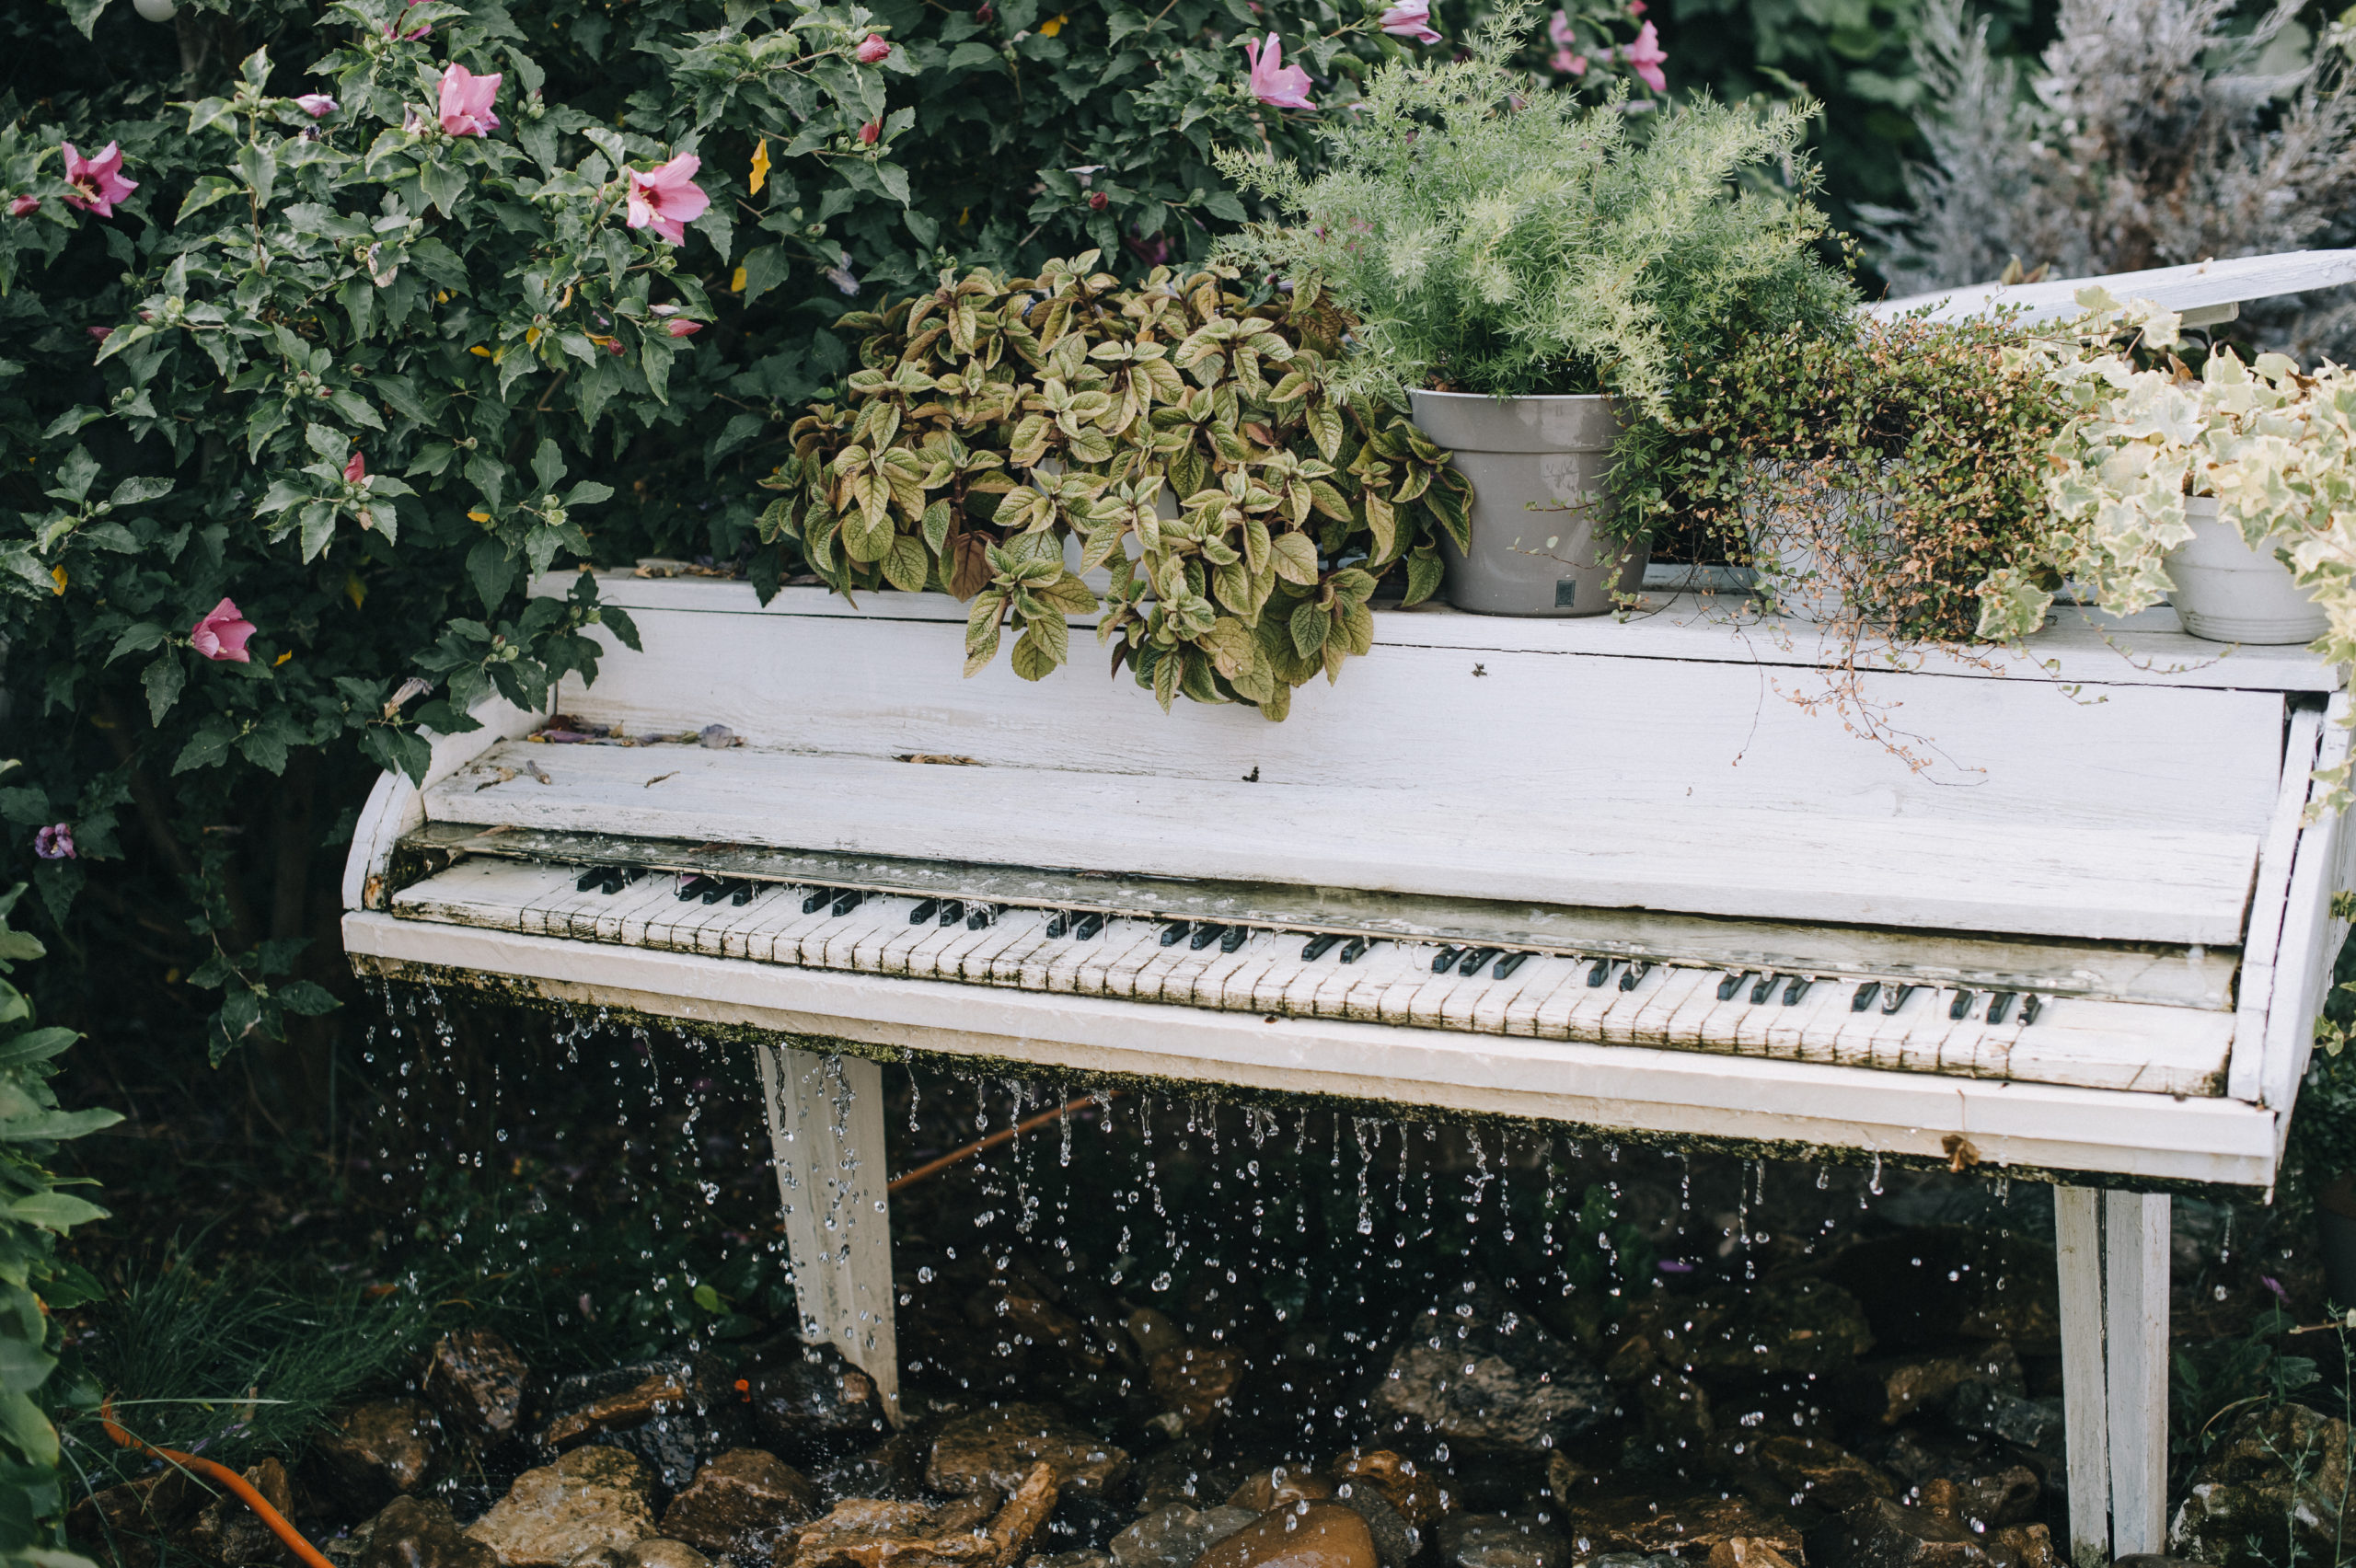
995	419
2274	446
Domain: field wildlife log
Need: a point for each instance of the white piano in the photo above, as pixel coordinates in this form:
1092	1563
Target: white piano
2058	913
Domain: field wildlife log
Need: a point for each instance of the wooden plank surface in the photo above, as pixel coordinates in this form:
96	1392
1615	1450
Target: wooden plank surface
1789	1106
2263	934
2085	1403
2055	873
2312	934
396	806
2193	286
2135	1357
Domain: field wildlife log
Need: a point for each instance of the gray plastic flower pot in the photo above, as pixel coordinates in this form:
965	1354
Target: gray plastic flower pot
1537	467
2227	592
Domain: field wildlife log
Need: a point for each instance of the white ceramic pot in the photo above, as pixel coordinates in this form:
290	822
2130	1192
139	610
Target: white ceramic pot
2227	592
1537	467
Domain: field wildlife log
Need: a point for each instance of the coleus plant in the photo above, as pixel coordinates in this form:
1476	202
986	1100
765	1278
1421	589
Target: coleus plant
1182	434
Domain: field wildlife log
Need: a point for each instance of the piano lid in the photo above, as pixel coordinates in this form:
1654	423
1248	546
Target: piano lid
1682	764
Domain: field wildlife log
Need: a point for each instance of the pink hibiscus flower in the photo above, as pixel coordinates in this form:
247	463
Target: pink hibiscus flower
318	106
1648	56
465	101
668	198
1273	83
98	182
222	635
1410	18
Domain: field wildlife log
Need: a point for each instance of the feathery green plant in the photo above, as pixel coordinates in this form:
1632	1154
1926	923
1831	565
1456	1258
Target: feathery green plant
1493	236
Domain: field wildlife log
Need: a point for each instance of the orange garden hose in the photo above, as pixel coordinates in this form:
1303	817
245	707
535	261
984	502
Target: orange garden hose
244	1489
980	1145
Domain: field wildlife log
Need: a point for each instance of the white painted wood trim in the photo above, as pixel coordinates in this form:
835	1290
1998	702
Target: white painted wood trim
2312	935
395	806
2268	904
2194	286
826	1115
2086	1406
2135	1325
1789	1104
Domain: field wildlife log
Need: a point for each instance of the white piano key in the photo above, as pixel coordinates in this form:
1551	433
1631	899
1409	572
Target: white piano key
1853	1032
1426	1007
622	913
1396	1002
895	954
1236	990
925	958
1582	1012
1531	976
1119	943
1210	982
1618	1026
1686	1024
1026	933
1887	1046
1337	981
1179	981
1804	1032
1053	955
782	928
969	956
1957	1049
1145	982
882	921
1385	965
1542	977
1122	971
1471	992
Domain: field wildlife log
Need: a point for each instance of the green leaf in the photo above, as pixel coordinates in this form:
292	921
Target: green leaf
35	1045
84	13
163	680
257	166
1296	558
442	186
54	1211
765	268
306	997
21	1422
1309	626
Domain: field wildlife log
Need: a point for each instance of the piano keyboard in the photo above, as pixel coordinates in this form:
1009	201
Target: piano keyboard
1795	1013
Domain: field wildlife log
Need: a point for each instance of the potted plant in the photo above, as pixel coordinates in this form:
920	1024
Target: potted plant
2217	491
1526	272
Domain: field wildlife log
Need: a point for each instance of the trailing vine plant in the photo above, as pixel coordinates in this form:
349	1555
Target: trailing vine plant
1181	435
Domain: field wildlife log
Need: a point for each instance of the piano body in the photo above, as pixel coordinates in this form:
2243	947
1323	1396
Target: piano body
1681	877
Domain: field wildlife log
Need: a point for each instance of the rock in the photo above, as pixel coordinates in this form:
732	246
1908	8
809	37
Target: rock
676	1414
1495	1541
2008	1497
128	1525
1174	1535
1395	1540
591	1497
1920	1457
660	1553
1299	1535
1883	1534
379	1451
227	1531
1820	1473
1022	1307
859	1528
1153	1333
476	1381
1084	1557
743	1504
1184	1472
809	1400
1744	1551
1417	1496
1478	1371
2246	1499
1926	1286
1779	1326
1889	1390
1599	1520
2006	1413
1195	1385
418	1532
1265	1488
992	1450
870	1534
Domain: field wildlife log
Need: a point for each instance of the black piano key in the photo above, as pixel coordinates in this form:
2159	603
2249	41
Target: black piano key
1236	937
1205	933
1796	989
984	916
1999	1004
1173	933
819	898
692	887
848	900
1319	946
717	888
1731	983
1897	996
1599	974
928	908
1864	996
951	911
1089	926
1474	958
746	892
590	879
1507	964
1355	949
2030	1007
1059	923
1445	959
1961	1006
1635	975
1765	988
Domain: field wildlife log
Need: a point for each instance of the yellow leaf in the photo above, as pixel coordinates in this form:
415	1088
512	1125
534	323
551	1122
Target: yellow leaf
531	335
477	516
441	296
57	575
355	590
1054	25
479	349
760	168
736	281
281	657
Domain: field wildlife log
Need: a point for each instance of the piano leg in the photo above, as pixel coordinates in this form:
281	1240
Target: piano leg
2113	1254
827	1134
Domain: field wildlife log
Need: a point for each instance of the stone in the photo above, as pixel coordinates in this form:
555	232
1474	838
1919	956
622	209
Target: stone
1185	1472
1195	1385
2248	1505
2008	1497
809	1400
1022	1307
1883	1534
379	1451
1417	1496
476	1381
1777	1326
870	1534
591	1497
743	1504
1083	1557
1152	1332
1893	1388
1936	1284
419	1532
677	1412
227	1531
1599	1520
1299	1535
129	1525
1395	1540
2006	1413
1746	1551
1820	1473
1265	1488
1478	1371
992	1450
660	1553
1497	1540
1174	1535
